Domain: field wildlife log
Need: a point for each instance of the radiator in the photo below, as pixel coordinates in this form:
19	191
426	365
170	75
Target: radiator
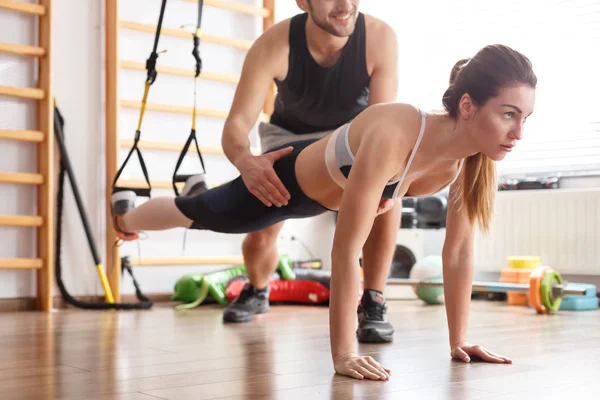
561	226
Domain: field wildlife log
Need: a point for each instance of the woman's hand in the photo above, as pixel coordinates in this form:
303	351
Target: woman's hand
360	367
385	205
463	352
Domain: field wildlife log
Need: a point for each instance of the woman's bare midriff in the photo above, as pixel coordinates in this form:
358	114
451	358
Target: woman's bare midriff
313	176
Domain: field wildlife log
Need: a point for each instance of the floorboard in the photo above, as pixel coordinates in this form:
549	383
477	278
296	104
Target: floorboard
284	354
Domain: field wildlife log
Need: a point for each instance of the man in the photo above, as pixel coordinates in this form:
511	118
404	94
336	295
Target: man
329	63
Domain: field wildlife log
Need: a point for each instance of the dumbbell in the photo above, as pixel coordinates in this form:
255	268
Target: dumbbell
546	288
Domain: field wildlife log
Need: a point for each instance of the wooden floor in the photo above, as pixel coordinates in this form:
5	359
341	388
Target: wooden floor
167	354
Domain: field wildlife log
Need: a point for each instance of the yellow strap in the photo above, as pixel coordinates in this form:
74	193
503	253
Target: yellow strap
194	109
107	290
146	90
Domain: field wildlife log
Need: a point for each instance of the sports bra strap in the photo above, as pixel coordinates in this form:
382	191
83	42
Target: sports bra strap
412	154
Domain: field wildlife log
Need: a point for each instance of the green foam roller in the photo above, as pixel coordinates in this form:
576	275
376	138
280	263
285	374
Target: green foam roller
193	289
187	288
202	294
285	267
219	280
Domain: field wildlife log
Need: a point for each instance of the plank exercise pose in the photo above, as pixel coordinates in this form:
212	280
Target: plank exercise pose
388	151
329	63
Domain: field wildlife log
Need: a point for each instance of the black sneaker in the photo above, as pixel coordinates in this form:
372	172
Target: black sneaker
373	326
121	203
194	185
250	301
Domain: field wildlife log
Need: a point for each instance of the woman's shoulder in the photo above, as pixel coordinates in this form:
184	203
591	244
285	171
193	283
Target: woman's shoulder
398	120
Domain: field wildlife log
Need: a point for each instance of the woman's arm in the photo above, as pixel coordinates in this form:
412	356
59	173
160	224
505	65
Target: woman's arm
377	161
457	258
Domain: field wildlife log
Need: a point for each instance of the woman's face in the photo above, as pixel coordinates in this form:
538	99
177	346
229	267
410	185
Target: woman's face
498	125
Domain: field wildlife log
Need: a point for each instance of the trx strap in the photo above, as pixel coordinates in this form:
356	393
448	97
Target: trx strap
192	137
66	170
151	77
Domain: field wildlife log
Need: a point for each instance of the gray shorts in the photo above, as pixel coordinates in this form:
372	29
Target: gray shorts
272	136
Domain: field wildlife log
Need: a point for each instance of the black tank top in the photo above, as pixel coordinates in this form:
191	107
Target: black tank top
313	98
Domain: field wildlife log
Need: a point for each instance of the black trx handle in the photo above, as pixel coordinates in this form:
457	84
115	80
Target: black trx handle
138	191
177	178
182	178
151	77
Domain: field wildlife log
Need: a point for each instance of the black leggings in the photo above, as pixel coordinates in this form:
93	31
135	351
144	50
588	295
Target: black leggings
231	208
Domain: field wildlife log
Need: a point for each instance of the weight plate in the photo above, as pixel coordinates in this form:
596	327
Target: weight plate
523	262
548	300
535	280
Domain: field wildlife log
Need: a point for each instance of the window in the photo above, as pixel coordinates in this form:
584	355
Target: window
560	37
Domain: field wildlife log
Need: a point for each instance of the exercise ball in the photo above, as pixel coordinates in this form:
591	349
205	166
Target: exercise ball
428	269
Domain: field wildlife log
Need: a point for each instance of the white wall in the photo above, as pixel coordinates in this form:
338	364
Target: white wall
79	89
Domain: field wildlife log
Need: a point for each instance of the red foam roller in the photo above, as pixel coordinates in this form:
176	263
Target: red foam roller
294	291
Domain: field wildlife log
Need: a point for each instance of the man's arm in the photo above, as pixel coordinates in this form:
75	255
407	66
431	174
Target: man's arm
380	246
383	87
255	80
260	67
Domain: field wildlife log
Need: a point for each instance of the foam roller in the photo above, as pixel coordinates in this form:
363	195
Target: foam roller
283	290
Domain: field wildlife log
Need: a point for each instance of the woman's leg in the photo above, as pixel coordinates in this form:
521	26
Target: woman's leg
228	208
154	215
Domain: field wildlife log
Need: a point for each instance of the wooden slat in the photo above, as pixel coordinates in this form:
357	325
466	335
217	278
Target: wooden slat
234	6
25	93
19	6
21	49
168	146
170	108
24	136
21	177
45	162
141	184
188	72
171	261
113	259
21	220
181	33
21	263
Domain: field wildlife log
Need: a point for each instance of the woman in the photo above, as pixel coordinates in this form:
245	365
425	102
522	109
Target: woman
388	151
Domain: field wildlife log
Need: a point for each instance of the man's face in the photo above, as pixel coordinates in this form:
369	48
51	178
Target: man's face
337	17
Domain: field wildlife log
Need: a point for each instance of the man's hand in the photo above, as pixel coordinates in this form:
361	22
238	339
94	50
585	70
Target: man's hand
261	180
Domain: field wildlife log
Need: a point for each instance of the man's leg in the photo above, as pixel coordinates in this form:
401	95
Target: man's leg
261	259
378	253
260	248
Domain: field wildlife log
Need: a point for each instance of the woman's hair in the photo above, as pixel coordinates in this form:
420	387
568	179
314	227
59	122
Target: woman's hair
482	77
